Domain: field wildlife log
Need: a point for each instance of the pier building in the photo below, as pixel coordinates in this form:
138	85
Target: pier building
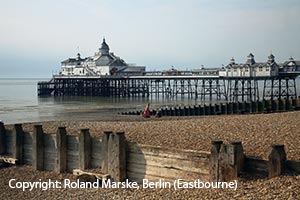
103	62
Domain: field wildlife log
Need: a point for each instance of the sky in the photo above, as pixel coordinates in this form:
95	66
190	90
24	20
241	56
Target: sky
36	35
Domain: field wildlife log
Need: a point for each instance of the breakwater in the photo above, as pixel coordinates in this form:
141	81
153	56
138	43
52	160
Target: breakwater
252	107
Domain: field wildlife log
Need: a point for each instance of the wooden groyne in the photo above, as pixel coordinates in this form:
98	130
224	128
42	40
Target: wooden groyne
253	107
119	159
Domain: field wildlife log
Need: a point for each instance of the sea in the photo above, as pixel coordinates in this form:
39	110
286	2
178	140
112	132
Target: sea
19	103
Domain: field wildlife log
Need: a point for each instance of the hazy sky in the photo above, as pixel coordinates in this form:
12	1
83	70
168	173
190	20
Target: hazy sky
36	35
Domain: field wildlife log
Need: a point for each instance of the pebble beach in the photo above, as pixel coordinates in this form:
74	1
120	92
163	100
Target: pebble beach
257	133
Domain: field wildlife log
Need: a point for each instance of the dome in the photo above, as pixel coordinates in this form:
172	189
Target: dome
104	50
250	59
271	58
250	55
232	61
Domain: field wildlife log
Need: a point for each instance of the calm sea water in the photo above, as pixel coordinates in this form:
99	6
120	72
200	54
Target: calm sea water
19	103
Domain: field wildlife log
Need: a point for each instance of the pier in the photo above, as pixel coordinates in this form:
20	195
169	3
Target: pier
107	75
204	88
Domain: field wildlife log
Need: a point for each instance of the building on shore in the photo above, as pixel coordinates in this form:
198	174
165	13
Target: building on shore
103	63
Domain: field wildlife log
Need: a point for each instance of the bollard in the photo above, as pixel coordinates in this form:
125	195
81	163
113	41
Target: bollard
277	160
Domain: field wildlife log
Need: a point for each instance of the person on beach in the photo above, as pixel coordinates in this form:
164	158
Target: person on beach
158	113
146	113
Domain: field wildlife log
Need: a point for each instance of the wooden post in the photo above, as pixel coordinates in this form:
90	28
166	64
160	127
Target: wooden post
192	110
120	167
273	107
177	112
288	104
61	140
110	155
206	110
197	110
229	108
277	160
211	109
84	149
104	151
235	107
38	148
231	161
238	156
202	110
117	156
222	168
225	108
260	107
284	104
214	160
173	113
186	111
17	142
2	139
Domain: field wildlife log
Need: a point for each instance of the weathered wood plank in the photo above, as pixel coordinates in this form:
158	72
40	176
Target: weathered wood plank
166	152
164	171
72	153
96	155
188	165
